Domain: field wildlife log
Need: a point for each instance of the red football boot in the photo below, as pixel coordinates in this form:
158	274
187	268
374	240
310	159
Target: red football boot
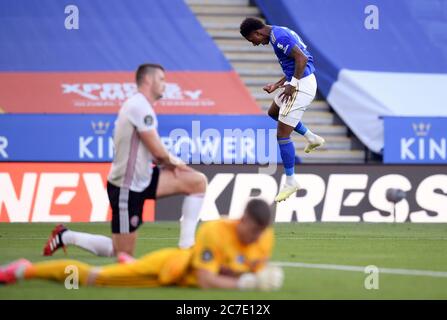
55	241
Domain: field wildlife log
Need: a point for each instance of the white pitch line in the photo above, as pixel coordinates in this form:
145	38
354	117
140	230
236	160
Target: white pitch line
427	273
278	238
358	238
43	238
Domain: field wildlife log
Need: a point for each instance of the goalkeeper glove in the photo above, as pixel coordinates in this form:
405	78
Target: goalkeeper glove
269	278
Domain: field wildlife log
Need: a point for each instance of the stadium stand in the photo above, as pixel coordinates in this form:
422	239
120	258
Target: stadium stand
400	69
258	66
109	38
114	37
432	17
97	61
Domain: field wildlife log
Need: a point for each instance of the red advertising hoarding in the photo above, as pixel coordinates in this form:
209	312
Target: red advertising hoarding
104	92
57	192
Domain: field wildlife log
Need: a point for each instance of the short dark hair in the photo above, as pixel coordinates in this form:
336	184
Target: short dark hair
259	211
249	25
145	69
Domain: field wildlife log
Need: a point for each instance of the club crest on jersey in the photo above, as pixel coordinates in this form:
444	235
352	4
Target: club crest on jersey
148	120
240	259
207	255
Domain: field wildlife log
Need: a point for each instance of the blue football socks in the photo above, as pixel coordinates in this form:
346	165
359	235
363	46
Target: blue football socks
287	151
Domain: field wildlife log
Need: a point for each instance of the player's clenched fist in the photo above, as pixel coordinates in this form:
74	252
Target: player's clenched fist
269	88
269	278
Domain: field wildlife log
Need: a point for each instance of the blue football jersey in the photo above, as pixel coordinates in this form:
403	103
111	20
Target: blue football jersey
283	40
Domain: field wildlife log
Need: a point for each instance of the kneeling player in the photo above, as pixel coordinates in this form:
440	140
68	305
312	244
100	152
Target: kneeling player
133	178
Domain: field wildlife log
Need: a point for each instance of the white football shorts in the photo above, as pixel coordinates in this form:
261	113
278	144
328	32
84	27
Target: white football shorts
291	112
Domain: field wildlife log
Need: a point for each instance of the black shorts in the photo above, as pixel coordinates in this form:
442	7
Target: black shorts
127	205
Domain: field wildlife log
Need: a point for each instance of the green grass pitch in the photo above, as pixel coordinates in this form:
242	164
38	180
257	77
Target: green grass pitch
397	246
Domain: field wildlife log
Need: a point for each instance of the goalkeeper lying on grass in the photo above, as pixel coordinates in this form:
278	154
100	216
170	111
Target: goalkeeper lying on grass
228	254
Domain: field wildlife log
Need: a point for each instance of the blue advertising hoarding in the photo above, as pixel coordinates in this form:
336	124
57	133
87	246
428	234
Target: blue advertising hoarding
206	139
415	140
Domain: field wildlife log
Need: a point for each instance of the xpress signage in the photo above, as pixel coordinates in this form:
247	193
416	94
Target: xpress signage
104	92
415	140
89	138
342	193
35	192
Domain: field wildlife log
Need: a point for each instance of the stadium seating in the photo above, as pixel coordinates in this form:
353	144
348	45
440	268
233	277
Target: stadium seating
97	61
112	36
432	17
90	71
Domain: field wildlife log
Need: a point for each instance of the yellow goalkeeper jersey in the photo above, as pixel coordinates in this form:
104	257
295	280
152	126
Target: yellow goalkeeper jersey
219	250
